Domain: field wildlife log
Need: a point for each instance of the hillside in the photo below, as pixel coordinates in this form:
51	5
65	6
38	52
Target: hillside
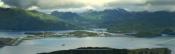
120	20
106	50
13	19
142	22
75	18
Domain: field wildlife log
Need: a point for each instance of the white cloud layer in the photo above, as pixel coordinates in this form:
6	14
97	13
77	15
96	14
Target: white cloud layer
82	5
3	5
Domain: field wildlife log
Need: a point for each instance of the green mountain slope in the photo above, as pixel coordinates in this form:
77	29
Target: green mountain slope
22	20
88	19
120	20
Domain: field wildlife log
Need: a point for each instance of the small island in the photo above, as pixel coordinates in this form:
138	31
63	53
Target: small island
76	33
82	33
79	34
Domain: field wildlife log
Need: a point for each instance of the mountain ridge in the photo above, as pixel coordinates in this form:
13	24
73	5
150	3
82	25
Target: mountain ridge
120	20
18	20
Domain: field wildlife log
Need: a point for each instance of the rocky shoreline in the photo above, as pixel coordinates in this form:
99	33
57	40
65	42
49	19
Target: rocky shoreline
9	42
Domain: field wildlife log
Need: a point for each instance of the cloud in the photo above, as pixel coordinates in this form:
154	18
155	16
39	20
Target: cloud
74	5
20	3
161	2
3	5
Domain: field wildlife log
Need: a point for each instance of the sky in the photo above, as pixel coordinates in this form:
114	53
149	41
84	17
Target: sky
84	5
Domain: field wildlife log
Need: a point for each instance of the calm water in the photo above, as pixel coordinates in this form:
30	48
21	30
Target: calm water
11	34
54	44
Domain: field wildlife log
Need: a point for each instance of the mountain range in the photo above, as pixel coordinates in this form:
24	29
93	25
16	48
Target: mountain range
120	20
115	20
14	19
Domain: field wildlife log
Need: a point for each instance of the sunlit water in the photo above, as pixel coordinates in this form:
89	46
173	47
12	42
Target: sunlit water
55	44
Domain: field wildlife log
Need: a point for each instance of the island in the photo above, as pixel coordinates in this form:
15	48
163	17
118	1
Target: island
106	50
76	33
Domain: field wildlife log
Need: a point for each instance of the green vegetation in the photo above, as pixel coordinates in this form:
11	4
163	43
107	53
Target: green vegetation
168	31
119	20
21	20
82	33
87	20
106	50
143	23
147	34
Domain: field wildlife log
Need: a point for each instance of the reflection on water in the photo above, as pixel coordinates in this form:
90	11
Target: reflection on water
54	44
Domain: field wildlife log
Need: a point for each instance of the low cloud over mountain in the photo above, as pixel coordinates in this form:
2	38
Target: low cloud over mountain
74	5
